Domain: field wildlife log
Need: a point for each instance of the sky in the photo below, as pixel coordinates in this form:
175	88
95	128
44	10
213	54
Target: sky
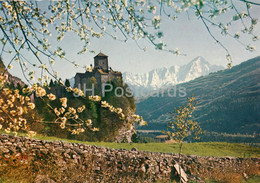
187	34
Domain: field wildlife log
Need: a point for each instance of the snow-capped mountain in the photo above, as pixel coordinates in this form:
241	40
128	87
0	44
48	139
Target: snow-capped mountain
145	83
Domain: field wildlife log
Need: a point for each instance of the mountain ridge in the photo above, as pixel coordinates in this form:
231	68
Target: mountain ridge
144	83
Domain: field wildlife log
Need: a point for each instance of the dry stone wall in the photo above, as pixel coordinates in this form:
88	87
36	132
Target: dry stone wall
86	163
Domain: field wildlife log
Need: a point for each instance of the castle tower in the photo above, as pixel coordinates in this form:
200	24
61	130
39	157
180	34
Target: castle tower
101	62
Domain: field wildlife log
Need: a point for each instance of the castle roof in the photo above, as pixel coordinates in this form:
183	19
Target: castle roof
84	75
115	72
101	55
101	71
80	74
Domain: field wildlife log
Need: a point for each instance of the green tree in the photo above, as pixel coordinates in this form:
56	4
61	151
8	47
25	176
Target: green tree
93	80
93	109
51	83
183	125
134	138
67	83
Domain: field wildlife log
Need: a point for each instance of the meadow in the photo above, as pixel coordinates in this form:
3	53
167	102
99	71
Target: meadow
198	148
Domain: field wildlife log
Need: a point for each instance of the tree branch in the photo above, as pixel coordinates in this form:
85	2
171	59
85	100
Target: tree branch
250	2
217	41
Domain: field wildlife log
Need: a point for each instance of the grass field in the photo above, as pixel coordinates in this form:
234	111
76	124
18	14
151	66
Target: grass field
200	148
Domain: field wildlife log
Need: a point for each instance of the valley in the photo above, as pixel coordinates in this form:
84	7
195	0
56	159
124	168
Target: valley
228	101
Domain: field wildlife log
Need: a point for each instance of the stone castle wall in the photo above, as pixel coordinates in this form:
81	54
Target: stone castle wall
102	164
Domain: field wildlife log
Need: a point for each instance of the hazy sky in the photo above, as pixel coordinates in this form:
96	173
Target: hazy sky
187	33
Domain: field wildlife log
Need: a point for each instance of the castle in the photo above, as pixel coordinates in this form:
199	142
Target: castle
101	72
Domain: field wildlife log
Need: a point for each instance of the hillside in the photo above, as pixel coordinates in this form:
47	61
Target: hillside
228	101
144	83
111	126
11	78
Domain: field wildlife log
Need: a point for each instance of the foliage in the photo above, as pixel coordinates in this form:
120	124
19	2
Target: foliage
182	125
134	138
67	83
61	112
16	109
107	115
51	83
